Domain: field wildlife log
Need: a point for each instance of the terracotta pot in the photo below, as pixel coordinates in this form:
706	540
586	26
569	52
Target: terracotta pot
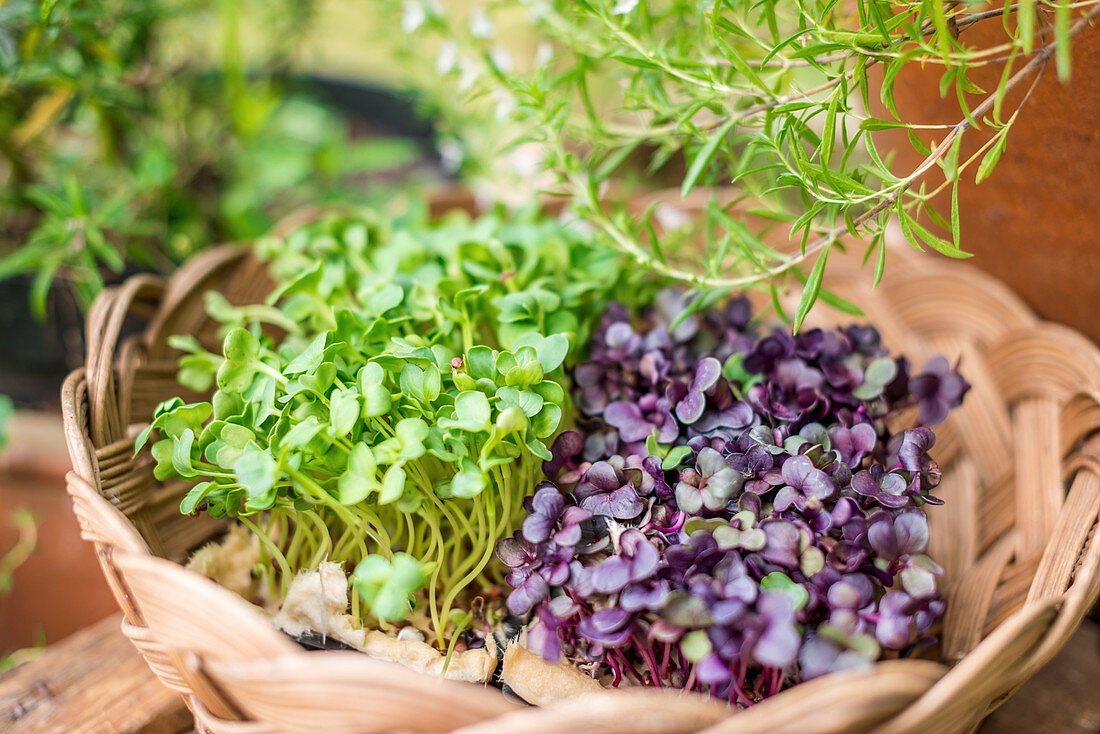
1035	223
60	588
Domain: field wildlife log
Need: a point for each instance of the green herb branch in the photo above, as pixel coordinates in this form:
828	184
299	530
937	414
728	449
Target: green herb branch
768	106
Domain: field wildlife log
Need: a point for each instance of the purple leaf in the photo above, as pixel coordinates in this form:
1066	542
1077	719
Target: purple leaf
778	645
609	627
712	670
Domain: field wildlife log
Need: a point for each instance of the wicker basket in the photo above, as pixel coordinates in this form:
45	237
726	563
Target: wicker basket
1017	539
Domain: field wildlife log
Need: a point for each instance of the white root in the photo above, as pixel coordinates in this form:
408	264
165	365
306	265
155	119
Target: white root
541	683
317	602
230	561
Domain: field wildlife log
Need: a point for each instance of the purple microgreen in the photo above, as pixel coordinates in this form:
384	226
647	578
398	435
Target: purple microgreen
737	512
606	491
938	388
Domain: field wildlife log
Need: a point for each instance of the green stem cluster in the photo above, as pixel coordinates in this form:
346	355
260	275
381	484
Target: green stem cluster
454	538
397	429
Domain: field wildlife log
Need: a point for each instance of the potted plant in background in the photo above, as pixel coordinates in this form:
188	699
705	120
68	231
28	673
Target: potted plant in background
42	558
127	148
792	111
1048	161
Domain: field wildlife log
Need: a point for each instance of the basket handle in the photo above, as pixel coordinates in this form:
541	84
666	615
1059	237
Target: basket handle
181	288
148	296
103	330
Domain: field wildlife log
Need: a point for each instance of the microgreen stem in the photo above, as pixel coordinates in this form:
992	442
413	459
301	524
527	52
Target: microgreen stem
273	551
413	543
324	542
297	540
617	676
487	555
650	661
461	625
272	373
438	547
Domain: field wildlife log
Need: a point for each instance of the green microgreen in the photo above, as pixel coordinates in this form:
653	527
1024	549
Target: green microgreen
399	426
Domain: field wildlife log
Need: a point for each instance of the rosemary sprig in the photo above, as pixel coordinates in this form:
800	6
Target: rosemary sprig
770	101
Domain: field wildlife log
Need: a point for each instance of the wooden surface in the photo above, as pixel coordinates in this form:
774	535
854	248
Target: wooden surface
93	682
1062	698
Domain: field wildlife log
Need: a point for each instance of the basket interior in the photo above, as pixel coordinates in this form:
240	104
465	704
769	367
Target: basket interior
1020	458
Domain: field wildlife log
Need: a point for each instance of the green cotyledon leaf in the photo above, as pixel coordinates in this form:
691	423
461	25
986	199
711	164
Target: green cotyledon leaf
414	379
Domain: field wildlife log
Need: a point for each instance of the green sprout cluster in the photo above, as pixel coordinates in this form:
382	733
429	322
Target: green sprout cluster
401	420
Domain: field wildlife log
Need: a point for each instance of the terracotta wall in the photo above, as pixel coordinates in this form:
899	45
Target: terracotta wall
1035	223
60	588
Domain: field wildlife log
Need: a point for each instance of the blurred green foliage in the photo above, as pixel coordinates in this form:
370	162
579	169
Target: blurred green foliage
120	149
7	410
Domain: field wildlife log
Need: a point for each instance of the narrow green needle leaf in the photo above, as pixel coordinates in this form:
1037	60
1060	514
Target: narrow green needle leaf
839	303
704	157
812	289
828	135
1061	39
992	156
880	262
874	123
1026	18
951	160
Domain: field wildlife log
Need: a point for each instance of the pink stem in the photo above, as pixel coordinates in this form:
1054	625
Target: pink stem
681	518
617	674
739	689
650	661
629	667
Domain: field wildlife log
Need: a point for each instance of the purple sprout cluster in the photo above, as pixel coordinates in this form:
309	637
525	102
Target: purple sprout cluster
735	513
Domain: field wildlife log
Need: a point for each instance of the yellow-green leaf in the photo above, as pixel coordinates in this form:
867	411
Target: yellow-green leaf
989	162
704	157
812	288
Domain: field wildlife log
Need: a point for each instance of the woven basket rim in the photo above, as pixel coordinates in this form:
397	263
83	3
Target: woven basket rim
1049	619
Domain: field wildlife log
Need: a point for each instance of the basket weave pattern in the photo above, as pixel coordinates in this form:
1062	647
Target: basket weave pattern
1017	539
